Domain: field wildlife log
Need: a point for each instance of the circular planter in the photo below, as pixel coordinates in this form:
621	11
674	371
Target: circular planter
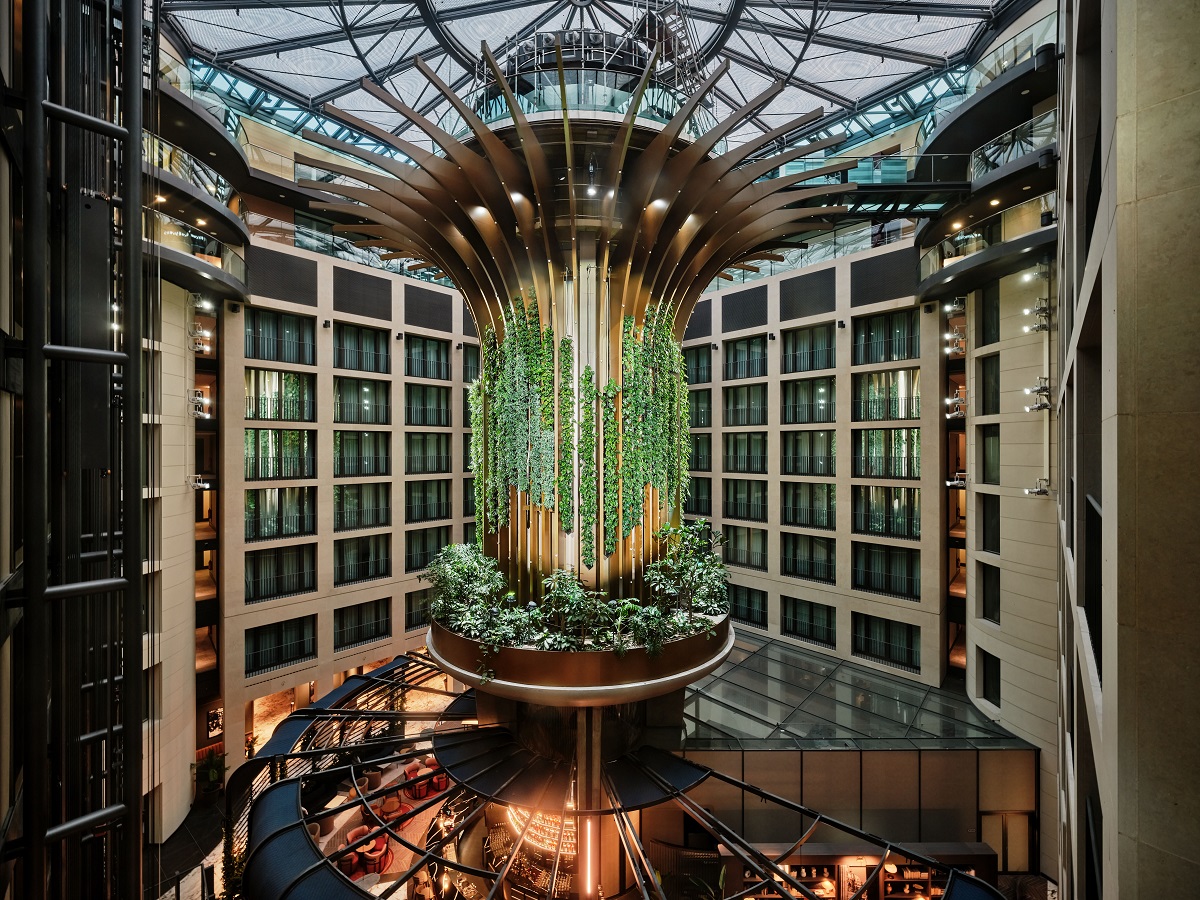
581	678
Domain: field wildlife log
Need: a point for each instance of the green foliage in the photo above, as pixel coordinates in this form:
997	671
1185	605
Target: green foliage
690	576
470	597
475	400
587	466
566	439
637	439
496	513
612	463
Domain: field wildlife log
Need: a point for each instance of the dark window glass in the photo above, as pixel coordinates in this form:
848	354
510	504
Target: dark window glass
809	349
699	501
280	644
894	643
989	677
362	623
989	592
748	605
416	609
988	313
989	453
989	385
698	362
989	522
812	622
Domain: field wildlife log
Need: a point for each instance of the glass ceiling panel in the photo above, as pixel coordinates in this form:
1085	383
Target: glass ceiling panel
779	693
313	51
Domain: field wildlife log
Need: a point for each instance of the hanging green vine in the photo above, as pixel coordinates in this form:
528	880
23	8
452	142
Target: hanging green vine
566	438
587	466
637	440
496	488
475	394
612	465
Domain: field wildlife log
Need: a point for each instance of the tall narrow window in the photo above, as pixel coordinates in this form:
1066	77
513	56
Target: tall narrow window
989	677
989	454
989	385
989	522
989	592
987	311
363	349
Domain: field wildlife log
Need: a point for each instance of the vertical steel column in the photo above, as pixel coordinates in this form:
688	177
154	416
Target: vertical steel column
34	211
131	440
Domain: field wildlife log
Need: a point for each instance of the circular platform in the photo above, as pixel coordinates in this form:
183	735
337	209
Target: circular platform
581	678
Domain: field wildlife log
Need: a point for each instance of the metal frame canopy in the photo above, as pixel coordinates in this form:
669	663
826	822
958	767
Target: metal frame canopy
842	56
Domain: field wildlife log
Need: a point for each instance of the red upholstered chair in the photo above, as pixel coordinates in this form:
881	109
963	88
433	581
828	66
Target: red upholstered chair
374	853
349	862
412	768
440	780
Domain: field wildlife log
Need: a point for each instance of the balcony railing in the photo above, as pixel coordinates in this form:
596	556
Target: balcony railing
351	466
700	417
871	581
1028	137
698	506
259	468
279	349
470	372
810	516
808	360
166	156
887	467
804	413
746	462
887	523
416	560
425	512
427	368
265	528
280	656
887	350
809	465
362	633
746	415
426	415
1007	225
900	656
361	412
362	570
881	409
751	559
378	362
745	509
754	367
280	409
699	374
823	570
700	462
182	237
267	587
365	517
825	635
426	465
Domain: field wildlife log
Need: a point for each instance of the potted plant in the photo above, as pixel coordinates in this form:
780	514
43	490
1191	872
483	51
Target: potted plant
210	775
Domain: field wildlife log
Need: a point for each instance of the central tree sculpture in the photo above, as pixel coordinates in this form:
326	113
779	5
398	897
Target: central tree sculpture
581	236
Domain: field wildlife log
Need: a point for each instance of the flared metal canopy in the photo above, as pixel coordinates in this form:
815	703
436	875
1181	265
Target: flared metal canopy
839	55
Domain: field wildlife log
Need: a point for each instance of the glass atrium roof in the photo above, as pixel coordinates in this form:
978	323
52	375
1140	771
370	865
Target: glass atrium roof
846	56
772	695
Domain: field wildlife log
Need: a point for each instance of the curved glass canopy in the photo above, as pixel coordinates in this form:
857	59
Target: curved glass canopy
844	56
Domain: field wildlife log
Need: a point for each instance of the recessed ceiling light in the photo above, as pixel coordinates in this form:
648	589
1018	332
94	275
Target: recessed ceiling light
1027	187
159	198
212	152
993	203
1024	92
201	222
956	225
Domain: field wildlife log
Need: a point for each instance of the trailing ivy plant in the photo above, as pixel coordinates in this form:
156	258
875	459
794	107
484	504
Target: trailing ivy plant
566	439
612	463
587	466
475	400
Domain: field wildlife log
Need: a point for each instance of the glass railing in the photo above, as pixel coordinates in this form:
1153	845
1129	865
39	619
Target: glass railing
991	66
824	247
176	73
1003	226
339	246
176	235
1040	131
166	156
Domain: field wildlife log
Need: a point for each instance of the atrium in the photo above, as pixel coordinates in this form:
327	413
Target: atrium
525	563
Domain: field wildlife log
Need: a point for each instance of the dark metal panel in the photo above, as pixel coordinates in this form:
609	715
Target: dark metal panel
281	276
700	324
424	308
884	277
361	294
468	322
807	295
744	309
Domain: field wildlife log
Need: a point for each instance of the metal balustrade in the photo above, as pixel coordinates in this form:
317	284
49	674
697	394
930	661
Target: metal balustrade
745	509
427	368
808	360
364	517
812	569
425	512
746	415
745	462
362	570
805	413
882	409
810	516
893	585
427	465
754	367
361	412
272	407
426	415
265	528
886	523
260	468
751	559
809	465
887	467
377	362
361	465
891	349
268	587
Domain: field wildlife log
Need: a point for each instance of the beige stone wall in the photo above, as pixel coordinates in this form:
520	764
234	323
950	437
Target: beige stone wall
1132	67
237	616
1025	639
169	650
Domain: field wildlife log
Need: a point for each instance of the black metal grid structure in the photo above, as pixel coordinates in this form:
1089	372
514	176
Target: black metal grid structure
74	604
295	780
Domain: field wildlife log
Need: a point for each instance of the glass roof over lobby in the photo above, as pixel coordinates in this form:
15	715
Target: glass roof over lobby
772	695
287	58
